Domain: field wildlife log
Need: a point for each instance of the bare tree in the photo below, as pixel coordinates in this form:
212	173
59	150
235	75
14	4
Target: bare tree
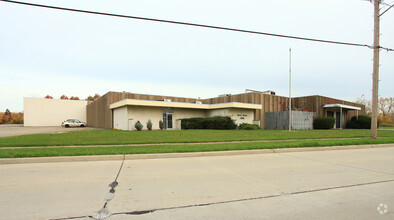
367	103
386	106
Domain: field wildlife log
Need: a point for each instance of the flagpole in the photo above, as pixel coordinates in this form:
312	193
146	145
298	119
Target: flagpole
290	119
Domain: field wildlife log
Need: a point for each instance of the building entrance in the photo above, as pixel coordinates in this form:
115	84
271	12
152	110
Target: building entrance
167	118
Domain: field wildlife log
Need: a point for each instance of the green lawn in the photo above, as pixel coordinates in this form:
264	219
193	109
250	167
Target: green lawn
68	151
115	137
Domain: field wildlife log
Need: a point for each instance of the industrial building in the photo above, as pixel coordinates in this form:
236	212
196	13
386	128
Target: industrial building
120	110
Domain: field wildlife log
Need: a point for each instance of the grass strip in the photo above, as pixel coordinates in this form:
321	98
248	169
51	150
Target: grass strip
154	149
115	137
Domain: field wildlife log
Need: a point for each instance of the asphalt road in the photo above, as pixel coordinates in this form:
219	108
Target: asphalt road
15	130
337	184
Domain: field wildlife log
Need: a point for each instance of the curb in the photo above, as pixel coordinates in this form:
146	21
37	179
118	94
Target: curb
182	155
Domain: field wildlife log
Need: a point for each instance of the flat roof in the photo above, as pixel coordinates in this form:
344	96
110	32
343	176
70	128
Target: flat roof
341	106
138	102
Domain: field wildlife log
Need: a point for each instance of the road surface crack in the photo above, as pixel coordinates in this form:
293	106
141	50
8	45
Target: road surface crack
141	212
104	213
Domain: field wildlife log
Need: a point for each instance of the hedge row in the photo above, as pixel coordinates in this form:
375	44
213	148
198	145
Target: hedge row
246	126
219	123
363	122
323	123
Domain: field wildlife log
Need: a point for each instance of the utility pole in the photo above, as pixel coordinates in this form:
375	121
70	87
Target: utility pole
290	119
375	74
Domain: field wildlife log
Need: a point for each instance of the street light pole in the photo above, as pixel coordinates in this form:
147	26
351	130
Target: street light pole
375	74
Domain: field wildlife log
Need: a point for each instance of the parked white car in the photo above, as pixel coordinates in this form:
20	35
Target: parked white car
73	123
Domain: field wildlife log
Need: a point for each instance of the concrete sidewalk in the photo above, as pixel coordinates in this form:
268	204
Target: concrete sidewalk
335	184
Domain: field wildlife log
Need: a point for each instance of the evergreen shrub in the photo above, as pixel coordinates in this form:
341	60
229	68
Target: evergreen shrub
363	122
247	126
217	122
138	126
323	123
149	125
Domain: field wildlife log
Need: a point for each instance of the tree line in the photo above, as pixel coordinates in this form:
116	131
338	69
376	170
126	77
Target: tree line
8	117
89	98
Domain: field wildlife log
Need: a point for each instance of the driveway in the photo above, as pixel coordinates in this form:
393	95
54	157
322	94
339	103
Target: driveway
15	130
337	184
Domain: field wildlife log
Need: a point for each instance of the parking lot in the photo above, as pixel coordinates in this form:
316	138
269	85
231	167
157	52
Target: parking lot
15	130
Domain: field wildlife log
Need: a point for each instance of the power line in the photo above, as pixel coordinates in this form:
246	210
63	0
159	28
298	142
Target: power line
194	24
386	10
381	2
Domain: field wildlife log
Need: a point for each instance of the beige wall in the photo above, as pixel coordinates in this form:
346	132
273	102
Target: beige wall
155	114
238	115
143	114
242	115
52	112
121	118
180	113
218	112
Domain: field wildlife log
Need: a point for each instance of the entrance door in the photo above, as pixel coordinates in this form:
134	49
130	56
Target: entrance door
169	121
130	124
338	120
167	118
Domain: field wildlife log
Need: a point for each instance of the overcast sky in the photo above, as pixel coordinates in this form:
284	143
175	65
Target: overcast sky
44	51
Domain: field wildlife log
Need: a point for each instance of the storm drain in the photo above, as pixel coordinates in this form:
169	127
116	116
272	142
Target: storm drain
104	213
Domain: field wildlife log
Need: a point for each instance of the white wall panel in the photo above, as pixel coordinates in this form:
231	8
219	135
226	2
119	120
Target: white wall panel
52	112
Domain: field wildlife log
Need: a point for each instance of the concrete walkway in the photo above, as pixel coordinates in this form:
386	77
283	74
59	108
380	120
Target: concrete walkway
335	184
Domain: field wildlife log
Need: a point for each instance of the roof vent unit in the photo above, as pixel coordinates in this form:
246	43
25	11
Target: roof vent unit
269	92
224	95
165	100
197	102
